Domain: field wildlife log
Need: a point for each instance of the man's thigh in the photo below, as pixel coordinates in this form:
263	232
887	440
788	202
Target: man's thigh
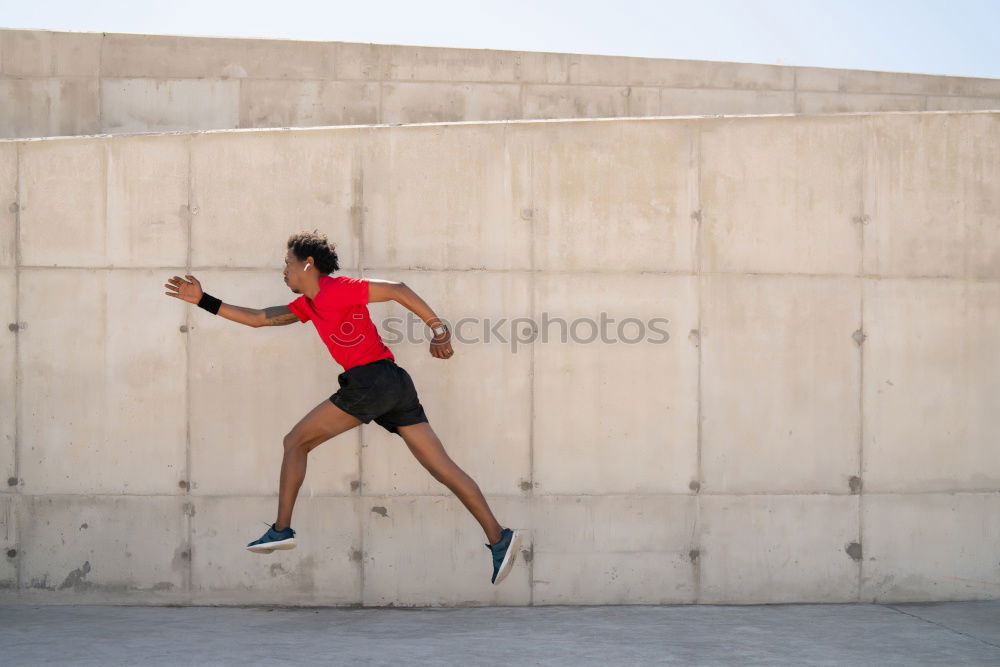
323	422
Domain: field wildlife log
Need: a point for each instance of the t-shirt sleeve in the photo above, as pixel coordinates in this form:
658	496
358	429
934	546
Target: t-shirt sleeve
349	292
299	308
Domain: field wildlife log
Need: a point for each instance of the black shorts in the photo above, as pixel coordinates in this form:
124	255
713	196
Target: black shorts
382	391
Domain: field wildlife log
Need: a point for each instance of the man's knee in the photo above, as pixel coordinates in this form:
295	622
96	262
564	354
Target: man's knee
294	440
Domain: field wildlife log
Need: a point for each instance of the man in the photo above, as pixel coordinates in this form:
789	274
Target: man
372	386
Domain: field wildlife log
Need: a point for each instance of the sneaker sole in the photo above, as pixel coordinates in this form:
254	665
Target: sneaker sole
273	546
509	557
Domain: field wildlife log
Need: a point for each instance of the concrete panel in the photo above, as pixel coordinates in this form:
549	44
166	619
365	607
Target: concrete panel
8	544
92	421
535	67
777	549
934	206
440	102
857	81
932	375
95	549
421	63
597	69
596	400
270	377
8	378
360	61
953	103
284	103
445	197
166	57
323	569
156	105
430	551
62	195
818	103
147	201
931	547
598	205
39	107
575	101
703	102
8	203
39	53
643	102
781	195
478	402
243	214
780	383
375	62
613	549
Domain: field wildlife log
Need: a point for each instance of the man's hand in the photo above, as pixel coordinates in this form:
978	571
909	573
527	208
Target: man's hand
185	290
441	346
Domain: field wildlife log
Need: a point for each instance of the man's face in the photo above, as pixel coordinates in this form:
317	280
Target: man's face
293	269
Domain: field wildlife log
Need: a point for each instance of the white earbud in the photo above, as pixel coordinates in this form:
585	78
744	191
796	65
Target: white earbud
306	267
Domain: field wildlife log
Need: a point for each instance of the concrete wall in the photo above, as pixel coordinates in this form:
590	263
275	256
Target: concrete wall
819	427
55	83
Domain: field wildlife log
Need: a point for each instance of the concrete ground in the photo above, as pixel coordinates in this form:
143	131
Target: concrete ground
956	633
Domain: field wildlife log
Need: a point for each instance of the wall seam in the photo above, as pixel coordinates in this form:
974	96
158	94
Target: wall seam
697	218
867	172
568	272
532	306
795	92
360	155
18	397
112	495
100	84
189	569
239	104
795	89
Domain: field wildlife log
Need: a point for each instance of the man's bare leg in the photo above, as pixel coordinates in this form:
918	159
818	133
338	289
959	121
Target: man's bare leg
426	446
323	422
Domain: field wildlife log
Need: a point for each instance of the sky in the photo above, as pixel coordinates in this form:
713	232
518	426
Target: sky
957	37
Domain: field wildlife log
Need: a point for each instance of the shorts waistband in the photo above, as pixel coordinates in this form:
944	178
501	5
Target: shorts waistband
372	363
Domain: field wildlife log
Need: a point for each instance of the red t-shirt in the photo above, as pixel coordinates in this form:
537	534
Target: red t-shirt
340	315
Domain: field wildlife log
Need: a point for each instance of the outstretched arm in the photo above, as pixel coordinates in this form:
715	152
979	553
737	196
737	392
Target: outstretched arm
190	290
388	290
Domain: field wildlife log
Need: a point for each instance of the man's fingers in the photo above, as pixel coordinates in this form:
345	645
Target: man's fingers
442	351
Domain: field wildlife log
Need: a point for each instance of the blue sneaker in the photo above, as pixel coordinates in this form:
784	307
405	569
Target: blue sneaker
273	539
504	553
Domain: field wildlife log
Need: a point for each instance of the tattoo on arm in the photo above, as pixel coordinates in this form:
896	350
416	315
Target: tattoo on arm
278	315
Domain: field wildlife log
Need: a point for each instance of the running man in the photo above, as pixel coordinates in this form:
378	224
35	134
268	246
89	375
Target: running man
372	386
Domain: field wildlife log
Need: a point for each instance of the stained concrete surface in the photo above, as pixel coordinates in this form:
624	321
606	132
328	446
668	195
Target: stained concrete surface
819	427
954	633
57	83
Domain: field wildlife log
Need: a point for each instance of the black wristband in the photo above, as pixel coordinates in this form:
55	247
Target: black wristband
209	303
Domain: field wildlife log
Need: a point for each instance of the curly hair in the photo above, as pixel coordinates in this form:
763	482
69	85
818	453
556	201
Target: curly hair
315	245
